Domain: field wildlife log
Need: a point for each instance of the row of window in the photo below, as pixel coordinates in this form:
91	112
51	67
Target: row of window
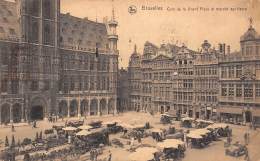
79	42
231	71
206	84
250	50
12	87
185	71
206	98
162	76
206	71
89	83
183	96
84	63
239	89
147	88
162	92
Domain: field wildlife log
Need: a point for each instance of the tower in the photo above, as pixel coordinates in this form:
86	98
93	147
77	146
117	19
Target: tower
39	46
113	37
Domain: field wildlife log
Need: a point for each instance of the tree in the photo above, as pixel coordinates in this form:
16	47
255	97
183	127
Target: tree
40	137
6	142
13	142
37	136
19	143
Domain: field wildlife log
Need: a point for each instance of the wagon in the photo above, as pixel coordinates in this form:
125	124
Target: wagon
236	150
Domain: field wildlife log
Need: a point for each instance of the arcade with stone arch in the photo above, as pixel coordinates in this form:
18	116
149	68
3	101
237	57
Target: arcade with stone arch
11	112
74	107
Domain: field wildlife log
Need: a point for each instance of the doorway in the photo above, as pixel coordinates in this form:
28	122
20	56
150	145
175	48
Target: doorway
248	116
37	113
162	109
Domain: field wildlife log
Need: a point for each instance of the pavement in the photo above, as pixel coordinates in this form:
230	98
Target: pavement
214	152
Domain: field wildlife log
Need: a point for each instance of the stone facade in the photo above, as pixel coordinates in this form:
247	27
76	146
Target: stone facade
239	77
209	84
55	64
123	91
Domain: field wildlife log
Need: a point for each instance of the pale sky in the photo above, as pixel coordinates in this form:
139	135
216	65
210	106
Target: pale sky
189	27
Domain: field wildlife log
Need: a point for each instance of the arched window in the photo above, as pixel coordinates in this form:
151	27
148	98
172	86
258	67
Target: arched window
47	35
47	9
35	8
35	32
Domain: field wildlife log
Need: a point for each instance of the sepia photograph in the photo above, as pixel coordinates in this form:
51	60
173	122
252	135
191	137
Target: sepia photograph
129	80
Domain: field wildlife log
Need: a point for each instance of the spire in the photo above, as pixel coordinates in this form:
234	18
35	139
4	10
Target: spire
113	11
250	22
135	51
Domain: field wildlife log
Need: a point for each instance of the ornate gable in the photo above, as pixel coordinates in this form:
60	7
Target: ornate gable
161	57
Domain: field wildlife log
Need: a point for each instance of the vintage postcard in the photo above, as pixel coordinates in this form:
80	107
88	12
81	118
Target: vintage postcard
129	80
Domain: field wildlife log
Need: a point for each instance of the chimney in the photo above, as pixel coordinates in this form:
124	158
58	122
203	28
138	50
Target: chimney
224	48
220	48
228	49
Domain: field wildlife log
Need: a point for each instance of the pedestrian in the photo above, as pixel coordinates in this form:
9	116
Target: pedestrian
139	139
248	137
245	138
186	140
229	140
132	142
125	131
91	155
96	154
13	130
246	154
34	124
109	156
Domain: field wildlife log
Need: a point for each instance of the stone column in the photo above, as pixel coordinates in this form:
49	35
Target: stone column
22	115
68	104
79	108
107	104
98	103
88	104
11	114
115	106
244	117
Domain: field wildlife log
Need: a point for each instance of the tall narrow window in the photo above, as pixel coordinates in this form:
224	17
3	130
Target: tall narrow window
238	71
257	90
47	9
223	72
47	36
231	90
231	72
238	90
34	85
4	86
223	90
248	90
